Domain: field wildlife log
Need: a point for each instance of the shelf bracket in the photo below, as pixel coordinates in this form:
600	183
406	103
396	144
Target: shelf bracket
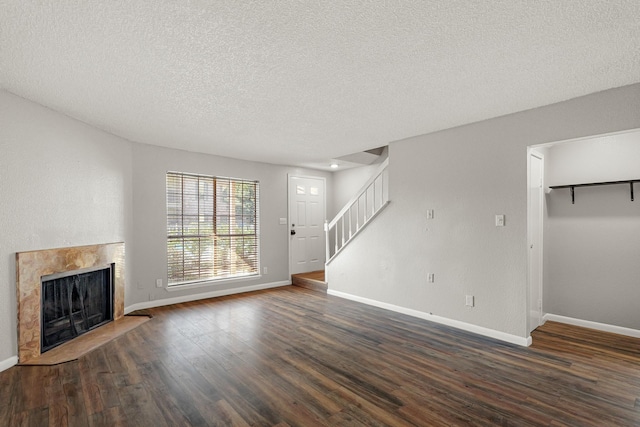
573	195
572	187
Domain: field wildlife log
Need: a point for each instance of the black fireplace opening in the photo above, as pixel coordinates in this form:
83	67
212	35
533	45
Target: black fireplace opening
75	302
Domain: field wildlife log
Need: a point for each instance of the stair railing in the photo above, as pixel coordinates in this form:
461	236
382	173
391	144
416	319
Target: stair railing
358	212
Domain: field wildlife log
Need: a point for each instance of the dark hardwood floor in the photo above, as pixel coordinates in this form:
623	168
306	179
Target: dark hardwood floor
294	357
313	280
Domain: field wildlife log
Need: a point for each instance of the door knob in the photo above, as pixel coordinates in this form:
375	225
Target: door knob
293	232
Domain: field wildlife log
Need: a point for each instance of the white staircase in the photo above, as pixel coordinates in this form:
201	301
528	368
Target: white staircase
372	198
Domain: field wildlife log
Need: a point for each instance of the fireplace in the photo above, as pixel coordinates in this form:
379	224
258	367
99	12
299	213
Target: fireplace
62	275
74	302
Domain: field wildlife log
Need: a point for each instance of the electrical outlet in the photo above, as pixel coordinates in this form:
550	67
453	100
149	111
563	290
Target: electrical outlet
265	270
158	283
500	221
469	301
431	278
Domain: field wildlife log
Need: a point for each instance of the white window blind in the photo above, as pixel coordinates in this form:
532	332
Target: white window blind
212	228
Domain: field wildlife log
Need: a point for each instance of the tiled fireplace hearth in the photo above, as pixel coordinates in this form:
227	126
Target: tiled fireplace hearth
32	266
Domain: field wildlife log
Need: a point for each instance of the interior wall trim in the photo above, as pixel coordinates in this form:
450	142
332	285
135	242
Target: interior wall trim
205	295
480	330
8	363
620	330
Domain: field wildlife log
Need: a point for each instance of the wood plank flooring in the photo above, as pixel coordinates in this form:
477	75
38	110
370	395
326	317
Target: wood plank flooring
88	342
313	280
294	357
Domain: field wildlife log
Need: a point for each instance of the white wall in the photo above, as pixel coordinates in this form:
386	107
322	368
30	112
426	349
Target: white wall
467	175
592	247
62	183
150	165
49	162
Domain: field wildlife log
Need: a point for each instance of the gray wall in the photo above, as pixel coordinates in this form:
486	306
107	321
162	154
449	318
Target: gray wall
62	183
467	175
592	247
149	259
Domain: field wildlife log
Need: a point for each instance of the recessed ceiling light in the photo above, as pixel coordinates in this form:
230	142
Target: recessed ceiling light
333	166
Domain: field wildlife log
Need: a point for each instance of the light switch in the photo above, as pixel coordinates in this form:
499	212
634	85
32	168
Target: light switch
283	221
469	300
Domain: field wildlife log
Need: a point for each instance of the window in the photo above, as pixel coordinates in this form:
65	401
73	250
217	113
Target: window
212	228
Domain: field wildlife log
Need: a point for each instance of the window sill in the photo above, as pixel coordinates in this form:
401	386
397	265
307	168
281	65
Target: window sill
210	283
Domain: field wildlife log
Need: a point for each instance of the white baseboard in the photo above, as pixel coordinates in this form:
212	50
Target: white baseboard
491	333
620	330
195	297
8	363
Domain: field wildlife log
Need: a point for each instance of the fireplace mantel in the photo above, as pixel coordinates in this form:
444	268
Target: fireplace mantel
31	266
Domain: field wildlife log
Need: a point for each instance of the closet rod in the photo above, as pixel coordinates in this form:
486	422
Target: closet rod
593	184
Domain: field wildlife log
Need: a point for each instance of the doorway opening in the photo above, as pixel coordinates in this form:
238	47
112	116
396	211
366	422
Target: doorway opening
582	223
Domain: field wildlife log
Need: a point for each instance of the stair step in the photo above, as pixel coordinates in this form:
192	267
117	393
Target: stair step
313	280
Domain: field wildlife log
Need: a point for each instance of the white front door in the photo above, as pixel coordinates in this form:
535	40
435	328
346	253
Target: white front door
306	224
536	194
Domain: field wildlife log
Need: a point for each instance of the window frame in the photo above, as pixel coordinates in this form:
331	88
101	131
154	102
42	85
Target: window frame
242	214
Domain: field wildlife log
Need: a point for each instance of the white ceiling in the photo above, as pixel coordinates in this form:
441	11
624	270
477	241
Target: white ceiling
300	82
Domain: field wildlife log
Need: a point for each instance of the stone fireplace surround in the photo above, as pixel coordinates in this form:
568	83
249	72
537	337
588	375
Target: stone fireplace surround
31	266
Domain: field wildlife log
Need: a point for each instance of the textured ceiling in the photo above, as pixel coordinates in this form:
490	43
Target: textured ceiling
299	82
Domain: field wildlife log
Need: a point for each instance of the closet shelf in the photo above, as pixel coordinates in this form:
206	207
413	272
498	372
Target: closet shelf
593	184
